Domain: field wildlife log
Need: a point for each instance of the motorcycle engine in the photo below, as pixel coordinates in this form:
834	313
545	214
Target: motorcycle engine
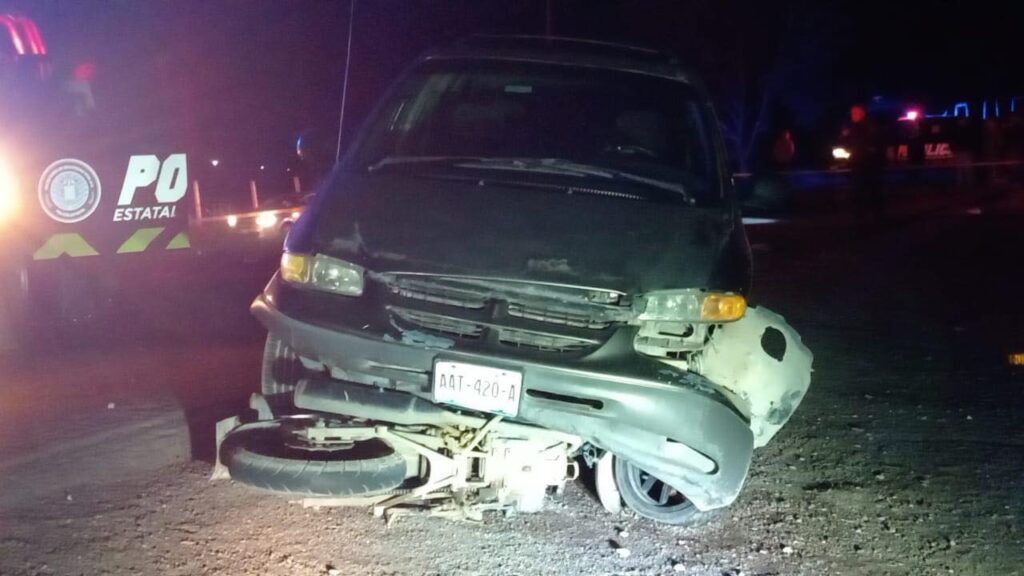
523	471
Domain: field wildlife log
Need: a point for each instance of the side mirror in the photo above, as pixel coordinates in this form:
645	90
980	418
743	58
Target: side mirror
767	195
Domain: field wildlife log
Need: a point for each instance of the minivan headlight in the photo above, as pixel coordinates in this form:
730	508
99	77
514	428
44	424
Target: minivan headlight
690	305
323	273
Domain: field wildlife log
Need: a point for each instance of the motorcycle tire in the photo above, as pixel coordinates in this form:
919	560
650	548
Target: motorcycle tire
263	458
280	374
652	498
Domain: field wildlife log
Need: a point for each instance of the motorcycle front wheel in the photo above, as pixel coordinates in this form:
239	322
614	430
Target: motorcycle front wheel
274	457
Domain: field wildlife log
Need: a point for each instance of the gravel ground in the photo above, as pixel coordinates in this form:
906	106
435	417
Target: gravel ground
905	458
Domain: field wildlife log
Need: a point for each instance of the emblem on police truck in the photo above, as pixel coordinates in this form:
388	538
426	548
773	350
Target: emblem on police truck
69	190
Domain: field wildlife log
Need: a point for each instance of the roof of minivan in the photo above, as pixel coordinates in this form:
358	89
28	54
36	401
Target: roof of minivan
567	51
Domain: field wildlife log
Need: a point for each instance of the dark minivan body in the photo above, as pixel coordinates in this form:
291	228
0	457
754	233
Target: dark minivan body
518	202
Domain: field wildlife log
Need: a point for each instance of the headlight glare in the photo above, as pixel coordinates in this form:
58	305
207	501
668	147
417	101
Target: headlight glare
8	190
266	220
840	153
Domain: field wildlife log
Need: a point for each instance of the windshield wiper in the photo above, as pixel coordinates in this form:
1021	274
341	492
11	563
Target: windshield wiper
555	166
401	160
570	168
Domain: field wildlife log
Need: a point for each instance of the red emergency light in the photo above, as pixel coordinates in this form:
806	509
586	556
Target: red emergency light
911	115
24	33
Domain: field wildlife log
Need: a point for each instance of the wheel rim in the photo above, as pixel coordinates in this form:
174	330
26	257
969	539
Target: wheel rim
653	491
294	438
282	368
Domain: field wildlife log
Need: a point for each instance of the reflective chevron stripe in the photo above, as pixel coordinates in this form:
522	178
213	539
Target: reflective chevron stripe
179	242
74	245
140	240
60	244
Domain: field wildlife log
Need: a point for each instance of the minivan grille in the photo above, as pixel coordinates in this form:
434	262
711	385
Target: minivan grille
439	294
543	342
468	330
504	314
438	323
554	315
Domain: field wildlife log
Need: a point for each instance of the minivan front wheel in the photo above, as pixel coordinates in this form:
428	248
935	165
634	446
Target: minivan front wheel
280	374
650	497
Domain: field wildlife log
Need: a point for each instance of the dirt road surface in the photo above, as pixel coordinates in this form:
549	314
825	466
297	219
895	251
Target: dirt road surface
905	458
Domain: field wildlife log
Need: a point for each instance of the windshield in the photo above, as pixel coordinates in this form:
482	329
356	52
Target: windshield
646	128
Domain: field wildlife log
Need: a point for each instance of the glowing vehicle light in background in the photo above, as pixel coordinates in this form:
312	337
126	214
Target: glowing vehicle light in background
8	190
840	153
266	220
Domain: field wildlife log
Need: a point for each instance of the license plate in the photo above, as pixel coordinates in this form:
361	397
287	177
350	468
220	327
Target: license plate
475	387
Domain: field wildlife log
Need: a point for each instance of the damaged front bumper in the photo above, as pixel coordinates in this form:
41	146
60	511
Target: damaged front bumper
673	423
762	364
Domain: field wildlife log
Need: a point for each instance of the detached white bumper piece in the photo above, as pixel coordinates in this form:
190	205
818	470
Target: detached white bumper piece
761	363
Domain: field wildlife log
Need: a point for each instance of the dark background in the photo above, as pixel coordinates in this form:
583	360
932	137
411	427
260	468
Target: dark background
245	78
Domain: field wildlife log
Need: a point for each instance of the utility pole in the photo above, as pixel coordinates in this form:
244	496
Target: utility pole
254	195
548	28
197	200
344	84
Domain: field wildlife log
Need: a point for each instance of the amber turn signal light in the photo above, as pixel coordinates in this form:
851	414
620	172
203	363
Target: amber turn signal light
719	307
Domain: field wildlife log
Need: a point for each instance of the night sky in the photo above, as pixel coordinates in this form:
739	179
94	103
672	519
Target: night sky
253	74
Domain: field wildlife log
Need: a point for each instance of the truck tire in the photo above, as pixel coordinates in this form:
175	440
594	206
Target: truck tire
280	374
262	458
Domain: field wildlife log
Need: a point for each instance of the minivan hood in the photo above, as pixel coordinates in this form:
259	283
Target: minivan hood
520	232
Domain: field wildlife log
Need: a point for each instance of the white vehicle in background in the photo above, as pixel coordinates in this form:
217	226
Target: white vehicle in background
274	217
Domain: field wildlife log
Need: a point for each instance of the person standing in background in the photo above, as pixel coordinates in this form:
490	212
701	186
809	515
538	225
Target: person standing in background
867	160
783	151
